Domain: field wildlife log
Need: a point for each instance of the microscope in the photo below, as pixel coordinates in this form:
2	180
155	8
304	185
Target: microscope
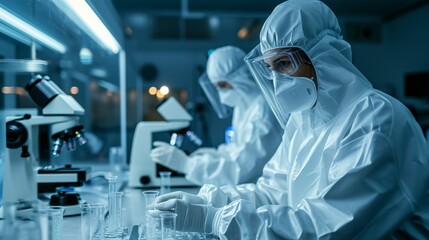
143	171
60	112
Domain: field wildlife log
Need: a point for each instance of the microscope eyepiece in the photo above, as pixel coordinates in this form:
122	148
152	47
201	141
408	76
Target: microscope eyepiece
41	90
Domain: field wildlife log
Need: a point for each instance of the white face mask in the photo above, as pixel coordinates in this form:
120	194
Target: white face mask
295	94
229	97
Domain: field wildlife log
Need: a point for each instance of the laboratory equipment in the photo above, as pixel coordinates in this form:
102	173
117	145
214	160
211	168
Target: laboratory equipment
51	177
165	182
114	226
168	226
179	136
92	221
51	222
151	223
115	159
112	183
60	112
143	171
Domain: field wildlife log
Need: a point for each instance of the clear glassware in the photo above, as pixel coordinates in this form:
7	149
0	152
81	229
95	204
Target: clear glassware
115	159
51	221
168	226
92	221
165	182
114	226
112	183
152	225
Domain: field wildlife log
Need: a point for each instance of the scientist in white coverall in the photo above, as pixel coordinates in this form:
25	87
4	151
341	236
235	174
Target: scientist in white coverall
353	162
257	133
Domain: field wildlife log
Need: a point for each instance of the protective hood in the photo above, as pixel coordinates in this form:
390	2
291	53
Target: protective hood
292	24
227	64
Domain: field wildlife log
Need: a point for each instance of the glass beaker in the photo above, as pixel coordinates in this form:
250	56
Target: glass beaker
51	221
92	221
165	182
149	197
168	226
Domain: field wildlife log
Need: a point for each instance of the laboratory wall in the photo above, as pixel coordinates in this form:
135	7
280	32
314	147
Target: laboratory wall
403	50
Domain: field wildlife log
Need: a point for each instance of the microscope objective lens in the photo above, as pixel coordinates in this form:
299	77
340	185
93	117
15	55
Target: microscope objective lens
57	146
71	144
80	137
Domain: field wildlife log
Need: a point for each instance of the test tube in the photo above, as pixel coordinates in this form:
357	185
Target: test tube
168	226
165	182
151	222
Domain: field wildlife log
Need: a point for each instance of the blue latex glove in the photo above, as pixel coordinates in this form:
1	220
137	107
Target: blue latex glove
193	214
169	156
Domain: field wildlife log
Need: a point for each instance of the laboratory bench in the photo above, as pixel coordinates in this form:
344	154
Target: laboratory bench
133	206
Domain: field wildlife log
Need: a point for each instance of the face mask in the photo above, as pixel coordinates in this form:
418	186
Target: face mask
295	94
229	97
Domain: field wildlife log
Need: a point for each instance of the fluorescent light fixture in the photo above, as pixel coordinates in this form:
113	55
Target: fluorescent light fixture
83	16
23	28
8	31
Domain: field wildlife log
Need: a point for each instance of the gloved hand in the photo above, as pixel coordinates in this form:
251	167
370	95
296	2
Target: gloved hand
193	214
169	156
204	150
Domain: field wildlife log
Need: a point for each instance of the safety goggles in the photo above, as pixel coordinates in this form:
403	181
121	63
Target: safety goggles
286	62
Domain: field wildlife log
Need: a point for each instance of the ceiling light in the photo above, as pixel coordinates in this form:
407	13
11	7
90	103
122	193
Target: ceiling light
85	56
164	90
18	26
83	16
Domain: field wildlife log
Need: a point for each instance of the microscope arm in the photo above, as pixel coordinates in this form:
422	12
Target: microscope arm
20	173
142	168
